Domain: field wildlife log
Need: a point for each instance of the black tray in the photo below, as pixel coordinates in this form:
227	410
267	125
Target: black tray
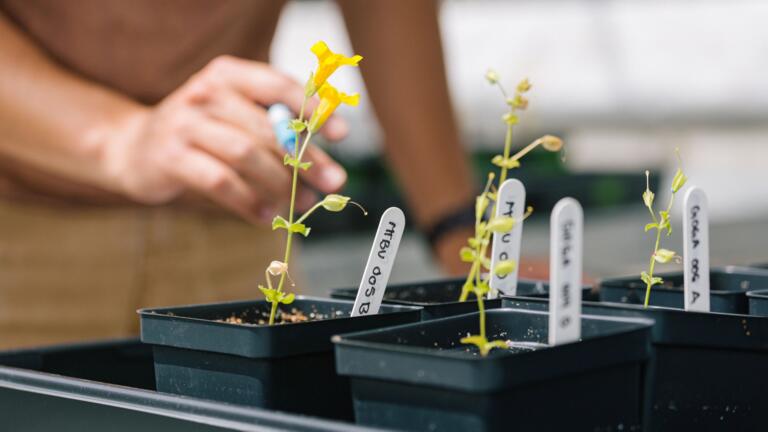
288	367
419	376
709	368
439	298
728	287
108	386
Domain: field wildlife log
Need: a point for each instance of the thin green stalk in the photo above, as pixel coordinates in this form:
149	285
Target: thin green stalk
651	266
289	234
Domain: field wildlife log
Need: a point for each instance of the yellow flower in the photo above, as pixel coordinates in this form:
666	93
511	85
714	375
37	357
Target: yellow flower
328	62
330	98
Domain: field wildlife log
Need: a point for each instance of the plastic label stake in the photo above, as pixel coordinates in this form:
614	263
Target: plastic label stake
506	246
696	251
380	261
565	259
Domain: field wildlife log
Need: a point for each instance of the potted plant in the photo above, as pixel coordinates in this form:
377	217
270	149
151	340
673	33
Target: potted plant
274	354
704	364
727	285
426	376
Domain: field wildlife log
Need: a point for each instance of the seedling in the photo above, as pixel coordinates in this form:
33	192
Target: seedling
478	280
330	99
660	224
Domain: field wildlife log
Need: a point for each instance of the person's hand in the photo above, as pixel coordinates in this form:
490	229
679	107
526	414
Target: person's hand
447	247
211	136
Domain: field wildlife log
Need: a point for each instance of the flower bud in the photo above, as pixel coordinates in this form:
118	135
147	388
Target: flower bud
492	76
523	86
664	256
276	268
551	143
334	202
501	224
678	181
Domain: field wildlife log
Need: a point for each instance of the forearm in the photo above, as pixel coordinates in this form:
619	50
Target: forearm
405	77
53	122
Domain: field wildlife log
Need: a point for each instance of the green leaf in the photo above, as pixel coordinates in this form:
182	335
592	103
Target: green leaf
287	299
279	222
651	226
483	345
300	229
297	125
482	289
507	163
292	161
270	294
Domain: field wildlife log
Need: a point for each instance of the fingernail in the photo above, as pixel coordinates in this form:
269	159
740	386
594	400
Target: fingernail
334	178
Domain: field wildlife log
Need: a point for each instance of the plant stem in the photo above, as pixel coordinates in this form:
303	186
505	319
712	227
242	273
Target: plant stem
651	266
289	234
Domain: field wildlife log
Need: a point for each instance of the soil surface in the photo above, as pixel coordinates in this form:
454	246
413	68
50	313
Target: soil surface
294	315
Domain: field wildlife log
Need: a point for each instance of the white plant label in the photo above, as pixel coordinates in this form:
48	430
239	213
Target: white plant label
380	262
506	246
565	260
696	251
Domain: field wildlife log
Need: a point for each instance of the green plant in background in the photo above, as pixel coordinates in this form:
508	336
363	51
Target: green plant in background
660	223
478	279
330	99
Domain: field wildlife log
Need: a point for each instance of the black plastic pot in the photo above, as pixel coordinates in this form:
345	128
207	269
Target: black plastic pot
728	287
758	302
420	377
109	386
287	367
708	368
439	299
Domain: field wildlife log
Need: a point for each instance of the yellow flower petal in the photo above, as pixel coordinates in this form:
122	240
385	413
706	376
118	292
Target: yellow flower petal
328	62
330	98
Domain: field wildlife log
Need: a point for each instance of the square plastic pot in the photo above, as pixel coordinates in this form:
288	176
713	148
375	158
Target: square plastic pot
420	377
109	386
728	287
439	299
758	302
286	367
708	369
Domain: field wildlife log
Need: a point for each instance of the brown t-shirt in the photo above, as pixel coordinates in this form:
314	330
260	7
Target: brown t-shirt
145	48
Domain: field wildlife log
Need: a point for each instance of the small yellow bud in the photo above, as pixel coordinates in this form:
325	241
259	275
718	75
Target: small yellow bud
491	76
510	119
551	143
678	181
504	268
334	202
524	86
664	256
501	224
648	196
276	268
520	102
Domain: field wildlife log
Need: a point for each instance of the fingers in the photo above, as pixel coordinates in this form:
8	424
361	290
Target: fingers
255	156
325	174
221	184
264	85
